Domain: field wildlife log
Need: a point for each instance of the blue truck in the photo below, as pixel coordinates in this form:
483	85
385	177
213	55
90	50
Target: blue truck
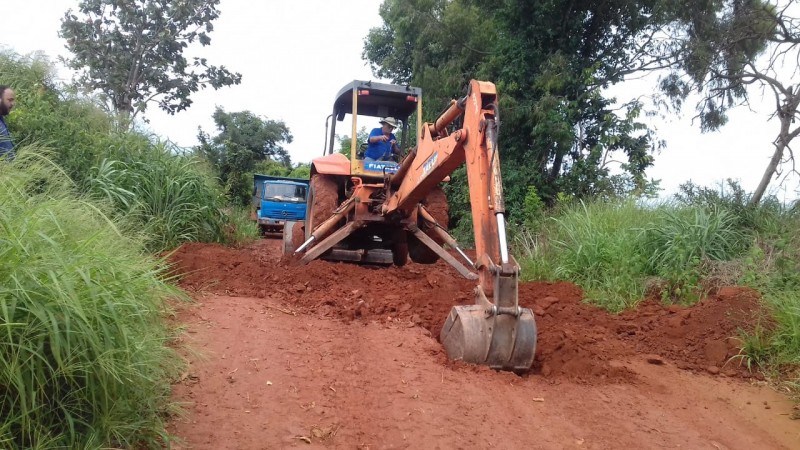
277	200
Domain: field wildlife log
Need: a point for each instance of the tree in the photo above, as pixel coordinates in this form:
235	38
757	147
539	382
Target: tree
550	62
301	171
752	43
131	51
243	141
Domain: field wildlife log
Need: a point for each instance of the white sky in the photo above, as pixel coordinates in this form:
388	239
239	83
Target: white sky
295	56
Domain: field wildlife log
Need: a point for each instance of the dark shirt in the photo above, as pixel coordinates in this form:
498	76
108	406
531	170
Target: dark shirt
6	145
379	150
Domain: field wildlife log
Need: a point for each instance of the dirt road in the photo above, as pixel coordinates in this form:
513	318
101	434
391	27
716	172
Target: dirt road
342	356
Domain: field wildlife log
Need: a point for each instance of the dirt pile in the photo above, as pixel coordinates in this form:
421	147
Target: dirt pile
418	294
701	337
575	340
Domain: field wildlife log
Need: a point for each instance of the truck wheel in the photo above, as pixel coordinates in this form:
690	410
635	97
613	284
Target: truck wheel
436	204
323	199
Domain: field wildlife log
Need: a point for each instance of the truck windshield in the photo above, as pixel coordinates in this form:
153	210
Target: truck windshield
284	192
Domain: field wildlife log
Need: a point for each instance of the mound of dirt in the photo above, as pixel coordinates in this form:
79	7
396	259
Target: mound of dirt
575	340
701	337
573	337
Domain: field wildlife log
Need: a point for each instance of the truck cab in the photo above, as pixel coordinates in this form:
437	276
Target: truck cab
280	199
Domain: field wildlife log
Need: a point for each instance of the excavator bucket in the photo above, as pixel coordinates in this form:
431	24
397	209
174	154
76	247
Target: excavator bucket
502	342
499	334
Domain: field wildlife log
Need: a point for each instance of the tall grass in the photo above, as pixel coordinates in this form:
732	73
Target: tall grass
784	342
615	251
83	360
172	198
681	240
594	245
241	229
772	266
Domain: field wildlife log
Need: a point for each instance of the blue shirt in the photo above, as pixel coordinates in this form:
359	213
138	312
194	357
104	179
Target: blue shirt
6	146
379	150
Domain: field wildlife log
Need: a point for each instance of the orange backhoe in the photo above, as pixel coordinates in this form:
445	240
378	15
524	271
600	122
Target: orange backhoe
384	212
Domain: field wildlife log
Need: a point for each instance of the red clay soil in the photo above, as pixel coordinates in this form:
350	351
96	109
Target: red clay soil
285	356
575	340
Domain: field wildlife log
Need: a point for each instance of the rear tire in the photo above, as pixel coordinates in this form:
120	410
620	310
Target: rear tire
399	248
323	199
436	204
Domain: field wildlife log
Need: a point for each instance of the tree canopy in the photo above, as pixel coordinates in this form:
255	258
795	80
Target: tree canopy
722	49
132	51
550	62
243	141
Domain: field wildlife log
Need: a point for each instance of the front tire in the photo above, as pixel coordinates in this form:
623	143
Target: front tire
292	237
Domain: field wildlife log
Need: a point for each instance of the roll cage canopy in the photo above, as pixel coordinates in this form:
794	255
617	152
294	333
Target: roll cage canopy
377	100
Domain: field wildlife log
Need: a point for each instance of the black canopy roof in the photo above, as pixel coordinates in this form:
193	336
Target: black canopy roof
383	100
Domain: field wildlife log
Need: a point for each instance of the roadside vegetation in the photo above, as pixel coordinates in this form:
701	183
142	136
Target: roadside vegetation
169	194
621	251
84	360
85	209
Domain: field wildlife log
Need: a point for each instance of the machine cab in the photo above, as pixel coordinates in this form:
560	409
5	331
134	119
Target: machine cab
365	103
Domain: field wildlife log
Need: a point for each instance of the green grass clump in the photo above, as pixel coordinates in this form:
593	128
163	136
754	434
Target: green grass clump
679	241
83	355
784	307
241	229
172	198
773	343
595	245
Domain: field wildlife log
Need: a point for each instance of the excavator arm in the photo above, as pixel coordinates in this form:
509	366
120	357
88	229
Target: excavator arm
495	331
439	154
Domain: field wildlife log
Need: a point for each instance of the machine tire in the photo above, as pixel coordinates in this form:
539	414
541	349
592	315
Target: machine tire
323	199
400	249
436	204
292	237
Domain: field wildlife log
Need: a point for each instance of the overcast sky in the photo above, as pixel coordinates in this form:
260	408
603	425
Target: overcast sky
294	57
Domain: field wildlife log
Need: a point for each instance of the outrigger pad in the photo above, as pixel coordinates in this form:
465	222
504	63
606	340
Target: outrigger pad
502	342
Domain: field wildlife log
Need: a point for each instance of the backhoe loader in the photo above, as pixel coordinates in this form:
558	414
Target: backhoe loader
385	212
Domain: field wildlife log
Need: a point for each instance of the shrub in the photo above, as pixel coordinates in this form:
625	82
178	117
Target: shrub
172	198
680	240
